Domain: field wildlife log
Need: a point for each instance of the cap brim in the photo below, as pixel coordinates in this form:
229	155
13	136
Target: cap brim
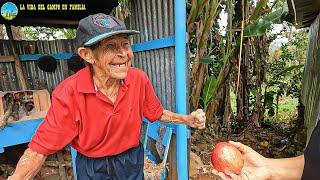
98	38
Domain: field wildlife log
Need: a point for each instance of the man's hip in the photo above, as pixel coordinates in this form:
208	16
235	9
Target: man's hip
125	166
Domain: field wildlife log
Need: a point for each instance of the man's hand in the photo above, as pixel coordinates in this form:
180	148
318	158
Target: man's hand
255	165
197	119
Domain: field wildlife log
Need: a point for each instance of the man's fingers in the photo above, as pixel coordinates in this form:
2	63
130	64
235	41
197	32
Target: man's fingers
223	176
201	113
193	125
220	174
214	171
198	120
232	175
200	125
201	117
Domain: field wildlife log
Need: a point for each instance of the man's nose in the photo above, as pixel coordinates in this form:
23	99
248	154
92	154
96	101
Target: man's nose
121	52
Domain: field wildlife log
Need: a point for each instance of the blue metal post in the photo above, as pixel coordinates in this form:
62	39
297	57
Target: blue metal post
74	164
181	91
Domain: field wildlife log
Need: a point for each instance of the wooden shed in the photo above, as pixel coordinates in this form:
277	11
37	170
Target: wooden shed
306	14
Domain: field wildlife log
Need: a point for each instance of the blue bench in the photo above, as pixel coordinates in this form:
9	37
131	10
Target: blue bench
22	132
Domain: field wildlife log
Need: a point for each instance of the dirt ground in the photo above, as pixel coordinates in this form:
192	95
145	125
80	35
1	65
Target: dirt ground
272	141
58	166
276	141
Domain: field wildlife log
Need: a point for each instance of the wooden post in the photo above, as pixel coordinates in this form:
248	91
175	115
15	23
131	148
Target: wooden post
18	67
62	170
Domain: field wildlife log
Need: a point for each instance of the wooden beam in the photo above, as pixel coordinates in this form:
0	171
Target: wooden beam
4	59
18	67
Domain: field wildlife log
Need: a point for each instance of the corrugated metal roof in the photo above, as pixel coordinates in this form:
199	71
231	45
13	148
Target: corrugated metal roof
305	11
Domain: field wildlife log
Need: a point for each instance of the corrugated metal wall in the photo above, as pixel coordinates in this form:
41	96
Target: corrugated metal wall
35	77
154	19
311	79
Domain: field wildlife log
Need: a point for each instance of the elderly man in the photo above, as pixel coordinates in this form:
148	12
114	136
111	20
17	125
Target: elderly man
99	109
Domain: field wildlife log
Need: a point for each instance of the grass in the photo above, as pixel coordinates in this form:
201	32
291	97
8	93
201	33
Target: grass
287	108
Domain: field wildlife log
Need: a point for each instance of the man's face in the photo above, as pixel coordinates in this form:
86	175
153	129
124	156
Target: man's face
114	56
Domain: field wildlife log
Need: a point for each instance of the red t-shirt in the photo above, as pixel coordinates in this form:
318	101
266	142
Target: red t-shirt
84	117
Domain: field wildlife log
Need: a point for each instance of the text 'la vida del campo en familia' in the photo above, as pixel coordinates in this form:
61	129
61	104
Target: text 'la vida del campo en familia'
52	7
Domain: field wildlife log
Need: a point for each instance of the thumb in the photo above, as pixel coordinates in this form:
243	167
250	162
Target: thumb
243	148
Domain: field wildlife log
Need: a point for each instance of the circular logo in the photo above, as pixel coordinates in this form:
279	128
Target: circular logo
9	11
103	21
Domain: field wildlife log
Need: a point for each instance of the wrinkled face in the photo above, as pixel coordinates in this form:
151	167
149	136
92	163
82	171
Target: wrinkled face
114	56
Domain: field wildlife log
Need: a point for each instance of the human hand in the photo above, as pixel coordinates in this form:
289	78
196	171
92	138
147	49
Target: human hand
255	165
197	119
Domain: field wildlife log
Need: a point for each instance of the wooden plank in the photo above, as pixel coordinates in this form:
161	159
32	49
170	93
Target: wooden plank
4	59
172	159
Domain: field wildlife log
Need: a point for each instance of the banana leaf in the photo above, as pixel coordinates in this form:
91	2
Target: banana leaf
209	87
260	27
207	59
256	13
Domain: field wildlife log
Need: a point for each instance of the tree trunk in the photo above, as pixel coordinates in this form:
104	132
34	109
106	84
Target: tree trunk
227	108
300	117
261	51
243	92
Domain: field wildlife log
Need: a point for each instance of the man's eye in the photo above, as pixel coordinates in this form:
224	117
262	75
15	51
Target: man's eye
110	46
126	44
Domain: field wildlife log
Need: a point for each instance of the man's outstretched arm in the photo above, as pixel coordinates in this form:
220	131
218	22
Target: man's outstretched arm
258	167
287	168
28	165
196	119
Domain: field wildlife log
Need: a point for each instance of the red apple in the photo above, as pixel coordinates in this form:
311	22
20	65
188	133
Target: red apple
226	157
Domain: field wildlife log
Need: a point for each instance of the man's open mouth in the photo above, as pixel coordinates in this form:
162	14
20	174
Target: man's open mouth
124	64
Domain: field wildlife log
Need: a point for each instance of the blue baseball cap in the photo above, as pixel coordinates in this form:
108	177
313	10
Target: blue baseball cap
94	28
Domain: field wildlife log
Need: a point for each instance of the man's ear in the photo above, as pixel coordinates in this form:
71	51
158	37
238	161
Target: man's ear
86	54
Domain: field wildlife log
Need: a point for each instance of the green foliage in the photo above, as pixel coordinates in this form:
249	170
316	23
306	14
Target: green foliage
257	11
288	70
44	33
208	59
208	90
260	27
284	72
69	33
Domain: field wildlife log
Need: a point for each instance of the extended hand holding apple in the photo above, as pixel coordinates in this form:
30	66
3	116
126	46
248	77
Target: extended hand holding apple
234	160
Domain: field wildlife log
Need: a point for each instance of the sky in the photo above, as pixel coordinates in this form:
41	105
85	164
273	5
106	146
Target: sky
275	29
